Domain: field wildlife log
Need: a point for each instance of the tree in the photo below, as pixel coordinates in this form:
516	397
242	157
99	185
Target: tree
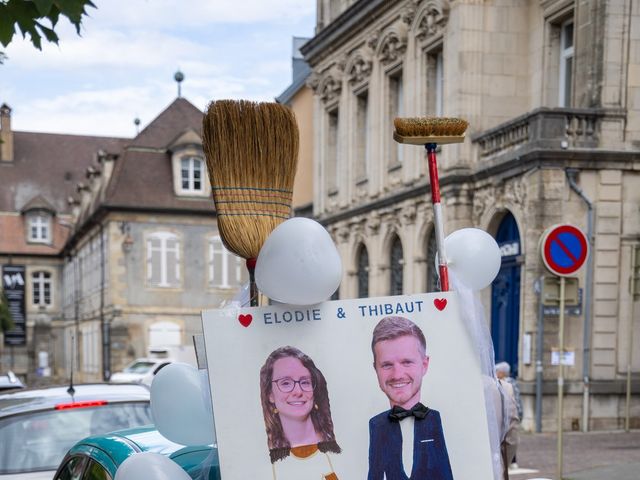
6	321
29	15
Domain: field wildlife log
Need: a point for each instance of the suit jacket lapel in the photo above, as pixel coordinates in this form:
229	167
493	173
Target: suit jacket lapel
420	457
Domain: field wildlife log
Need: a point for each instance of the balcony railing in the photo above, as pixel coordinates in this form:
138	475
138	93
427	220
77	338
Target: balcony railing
548	128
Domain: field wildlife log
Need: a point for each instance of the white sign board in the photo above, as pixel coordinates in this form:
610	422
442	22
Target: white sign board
568	357
297	394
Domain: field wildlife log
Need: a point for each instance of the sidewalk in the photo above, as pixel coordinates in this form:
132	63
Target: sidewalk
587	456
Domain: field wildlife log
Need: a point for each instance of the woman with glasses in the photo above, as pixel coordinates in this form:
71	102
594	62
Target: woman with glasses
297	416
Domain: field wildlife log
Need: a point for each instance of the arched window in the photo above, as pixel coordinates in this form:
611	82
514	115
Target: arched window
396	266
432	272
163	259
226	270
363	272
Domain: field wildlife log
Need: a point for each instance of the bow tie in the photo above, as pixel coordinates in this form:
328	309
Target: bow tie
418	410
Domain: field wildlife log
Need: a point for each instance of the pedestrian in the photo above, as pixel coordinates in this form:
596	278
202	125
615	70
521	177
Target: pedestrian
512	394
503	372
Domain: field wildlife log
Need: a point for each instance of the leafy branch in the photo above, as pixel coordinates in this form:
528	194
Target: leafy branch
32	16
6	321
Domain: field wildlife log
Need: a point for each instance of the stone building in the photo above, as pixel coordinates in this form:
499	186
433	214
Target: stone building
117	240
551	90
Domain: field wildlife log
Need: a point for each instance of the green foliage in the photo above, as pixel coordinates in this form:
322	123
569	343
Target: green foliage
6	322
29	15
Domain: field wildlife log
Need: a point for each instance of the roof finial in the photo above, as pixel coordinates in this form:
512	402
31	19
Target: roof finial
179	77
136	122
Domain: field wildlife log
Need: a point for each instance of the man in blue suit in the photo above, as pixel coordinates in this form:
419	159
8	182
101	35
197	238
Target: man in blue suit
400	362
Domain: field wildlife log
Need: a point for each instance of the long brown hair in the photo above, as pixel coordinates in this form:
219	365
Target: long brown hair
279	446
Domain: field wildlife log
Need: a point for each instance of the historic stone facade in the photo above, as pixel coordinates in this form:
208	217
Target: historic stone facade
550	89
132	253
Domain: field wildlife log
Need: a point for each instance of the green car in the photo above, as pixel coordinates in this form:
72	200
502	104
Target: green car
98	457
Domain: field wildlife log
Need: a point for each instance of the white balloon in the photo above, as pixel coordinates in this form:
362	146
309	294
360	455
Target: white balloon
299	263
473	256
180	405
150	466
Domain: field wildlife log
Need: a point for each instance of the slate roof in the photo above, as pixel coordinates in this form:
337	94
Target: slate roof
49	165
142	177
47	168
176	118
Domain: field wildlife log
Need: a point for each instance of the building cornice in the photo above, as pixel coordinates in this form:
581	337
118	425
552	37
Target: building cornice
584	159
351	22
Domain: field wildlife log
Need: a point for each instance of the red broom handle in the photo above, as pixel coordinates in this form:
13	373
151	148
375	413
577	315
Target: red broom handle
253	288
437	216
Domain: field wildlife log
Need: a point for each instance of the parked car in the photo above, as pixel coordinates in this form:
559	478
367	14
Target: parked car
98	457
142	370
9	381
38	426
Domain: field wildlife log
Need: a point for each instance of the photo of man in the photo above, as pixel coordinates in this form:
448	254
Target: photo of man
406	441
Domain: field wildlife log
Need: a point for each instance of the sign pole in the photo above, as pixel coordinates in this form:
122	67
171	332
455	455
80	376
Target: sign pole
564	250
560	378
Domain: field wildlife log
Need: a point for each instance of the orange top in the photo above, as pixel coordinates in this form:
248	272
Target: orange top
304	451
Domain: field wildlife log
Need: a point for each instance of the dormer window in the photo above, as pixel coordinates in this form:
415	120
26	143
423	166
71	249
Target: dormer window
39	227
190	178
191	174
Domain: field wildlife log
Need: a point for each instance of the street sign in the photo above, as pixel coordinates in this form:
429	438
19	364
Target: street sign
568	357
564	249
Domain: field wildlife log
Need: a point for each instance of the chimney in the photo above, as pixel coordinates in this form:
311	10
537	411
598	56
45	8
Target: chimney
6	135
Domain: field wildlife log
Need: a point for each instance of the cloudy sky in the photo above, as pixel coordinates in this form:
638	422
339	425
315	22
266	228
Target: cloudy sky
122	66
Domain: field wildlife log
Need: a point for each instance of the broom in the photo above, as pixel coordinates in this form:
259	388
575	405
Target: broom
430	132
251	151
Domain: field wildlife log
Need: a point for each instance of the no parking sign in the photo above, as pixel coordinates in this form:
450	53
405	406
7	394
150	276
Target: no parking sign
564	249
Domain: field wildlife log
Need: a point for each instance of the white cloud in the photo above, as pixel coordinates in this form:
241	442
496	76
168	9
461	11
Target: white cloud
123	64
196	13
107	49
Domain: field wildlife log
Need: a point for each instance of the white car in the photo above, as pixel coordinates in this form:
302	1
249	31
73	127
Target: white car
142	370
39	426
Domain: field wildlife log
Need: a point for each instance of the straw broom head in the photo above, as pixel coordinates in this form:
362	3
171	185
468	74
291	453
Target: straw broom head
252	152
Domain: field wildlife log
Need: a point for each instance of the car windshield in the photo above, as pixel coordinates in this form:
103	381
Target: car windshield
39	440
139	367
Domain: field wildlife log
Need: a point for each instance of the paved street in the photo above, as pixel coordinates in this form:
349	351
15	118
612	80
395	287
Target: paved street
587	456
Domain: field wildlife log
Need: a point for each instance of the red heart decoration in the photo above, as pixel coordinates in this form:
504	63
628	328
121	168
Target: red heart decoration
245	320
440	303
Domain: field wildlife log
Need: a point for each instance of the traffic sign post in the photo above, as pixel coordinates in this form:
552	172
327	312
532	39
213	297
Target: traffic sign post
564	249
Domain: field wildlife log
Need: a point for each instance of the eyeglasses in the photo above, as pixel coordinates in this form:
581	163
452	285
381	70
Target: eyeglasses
286	385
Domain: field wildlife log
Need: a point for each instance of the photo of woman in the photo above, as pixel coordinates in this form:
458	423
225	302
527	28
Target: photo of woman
297	416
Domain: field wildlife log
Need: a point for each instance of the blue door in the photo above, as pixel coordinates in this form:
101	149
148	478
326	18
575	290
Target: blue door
505	296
